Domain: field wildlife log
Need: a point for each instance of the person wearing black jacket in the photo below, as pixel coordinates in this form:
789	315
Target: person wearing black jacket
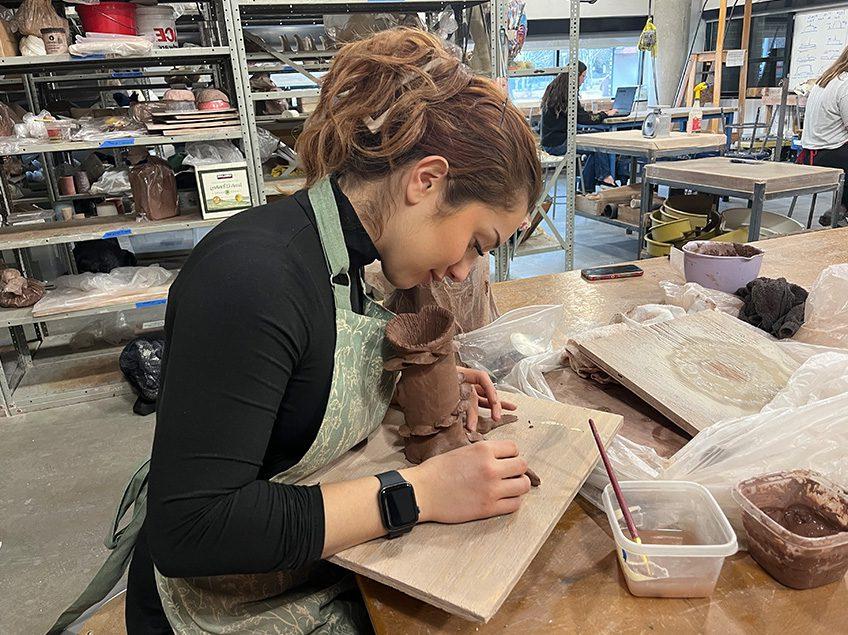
554	133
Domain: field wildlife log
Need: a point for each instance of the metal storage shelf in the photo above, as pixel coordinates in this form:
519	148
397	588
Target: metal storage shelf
19	317
37	235
49	63
144	140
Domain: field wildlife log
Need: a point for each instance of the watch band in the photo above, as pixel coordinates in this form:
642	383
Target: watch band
387	479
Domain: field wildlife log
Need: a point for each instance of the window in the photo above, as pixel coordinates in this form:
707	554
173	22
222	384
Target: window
767	56
608	68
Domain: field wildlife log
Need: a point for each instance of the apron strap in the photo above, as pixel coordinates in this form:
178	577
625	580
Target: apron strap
332	240
121	542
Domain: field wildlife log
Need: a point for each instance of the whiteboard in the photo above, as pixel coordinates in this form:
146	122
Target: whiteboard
818	40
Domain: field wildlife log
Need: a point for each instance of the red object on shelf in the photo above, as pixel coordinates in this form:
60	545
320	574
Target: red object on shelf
108	17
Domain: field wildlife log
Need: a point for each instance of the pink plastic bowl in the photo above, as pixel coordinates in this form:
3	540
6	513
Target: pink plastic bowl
728	272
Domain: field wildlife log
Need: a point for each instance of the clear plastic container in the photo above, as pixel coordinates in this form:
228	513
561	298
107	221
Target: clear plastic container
809	503
685	538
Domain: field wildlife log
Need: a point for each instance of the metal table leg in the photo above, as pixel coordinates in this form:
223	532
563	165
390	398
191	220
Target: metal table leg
837	201
645	205
812	210
634	168
757	200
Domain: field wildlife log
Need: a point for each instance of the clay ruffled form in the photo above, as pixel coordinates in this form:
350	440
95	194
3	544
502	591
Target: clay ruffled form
434	397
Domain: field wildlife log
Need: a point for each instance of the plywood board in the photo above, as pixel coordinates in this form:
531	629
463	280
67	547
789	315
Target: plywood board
188	125
470	569
740	177
697	369
189	131
634	140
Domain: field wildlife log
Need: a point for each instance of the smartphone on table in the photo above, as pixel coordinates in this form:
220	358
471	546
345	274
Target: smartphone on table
611	272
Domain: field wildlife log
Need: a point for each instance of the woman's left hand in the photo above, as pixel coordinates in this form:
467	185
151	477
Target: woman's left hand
484	395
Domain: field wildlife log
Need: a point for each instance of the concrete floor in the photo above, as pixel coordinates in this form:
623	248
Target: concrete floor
62	472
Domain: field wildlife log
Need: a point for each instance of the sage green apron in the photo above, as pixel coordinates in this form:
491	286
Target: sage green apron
305	600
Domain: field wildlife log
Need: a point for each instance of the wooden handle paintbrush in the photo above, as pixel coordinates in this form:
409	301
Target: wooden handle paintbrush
625	510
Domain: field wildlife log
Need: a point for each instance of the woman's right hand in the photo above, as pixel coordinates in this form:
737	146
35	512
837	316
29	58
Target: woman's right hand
472	482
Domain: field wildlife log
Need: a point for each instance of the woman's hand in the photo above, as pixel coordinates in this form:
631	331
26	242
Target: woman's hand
472	482
484	395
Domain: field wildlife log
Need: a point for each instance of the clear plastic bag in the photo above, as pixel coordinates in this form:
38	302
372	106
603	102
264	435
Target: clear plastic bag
34	15
470	301
35	126
112	45
112	329
693	298
515	336
113	181
268	144
102	128
826	311
802	427
210	152
82	289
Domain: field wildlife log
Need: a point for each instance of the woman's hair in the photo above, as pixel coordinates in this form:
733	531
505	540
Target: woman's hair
556	94
837	68
399	96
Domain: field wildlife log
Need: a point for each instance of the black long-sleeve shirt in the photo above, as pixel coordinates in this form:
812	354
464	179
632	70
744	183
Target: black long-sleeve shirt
554	125
250	331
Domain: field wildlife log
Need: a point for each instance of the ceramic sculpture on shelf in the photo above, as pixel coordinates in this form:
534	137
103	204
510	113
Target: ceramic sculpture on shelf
431	392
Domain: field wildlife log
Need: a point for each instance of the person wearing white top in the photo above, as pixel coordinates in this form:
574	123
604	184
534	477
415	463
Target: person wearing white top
825	136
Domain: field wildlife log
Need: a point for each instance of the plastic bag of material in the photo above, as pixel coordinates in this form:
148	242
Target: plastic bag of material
154	189
470	301
112	329
35	127
210	152
516	335
32	46
826	311
141	364
34	15
78	290
693	298
7	121
8	41
102	128
268	144
804	426
101	256
112	45
262	83
113	181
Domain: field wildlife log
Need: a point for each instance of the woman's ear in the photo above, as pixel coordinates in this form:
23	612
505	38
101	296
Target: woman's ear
426	178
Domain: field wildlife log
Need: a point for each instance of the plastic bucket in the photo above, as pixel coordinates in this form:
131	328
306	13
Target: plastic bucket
108	17
726	273
159	22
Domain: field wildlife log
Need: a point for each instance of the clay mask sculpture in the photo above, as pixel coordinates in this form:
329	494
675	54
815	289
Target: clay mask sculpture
433	396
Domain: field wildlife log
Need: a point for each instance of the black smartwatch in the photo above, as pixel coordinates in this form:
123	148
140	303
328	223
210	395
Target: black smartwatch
397	504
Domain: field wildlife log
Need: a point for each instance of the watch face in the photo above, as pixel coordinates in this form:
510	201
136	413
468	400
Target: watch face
400	505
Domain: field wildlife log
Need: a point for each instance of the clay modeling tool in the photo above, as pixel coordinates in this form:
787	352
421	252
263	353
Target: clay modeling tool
625	510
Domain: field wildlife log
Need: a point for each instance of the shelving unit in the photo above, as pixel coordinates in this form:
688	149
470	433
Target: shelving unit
42	370
296	79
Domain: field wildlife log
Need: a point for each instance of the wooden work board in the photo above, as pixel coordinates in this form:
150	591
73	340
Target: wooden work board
697	369
470	569
635	140
722	172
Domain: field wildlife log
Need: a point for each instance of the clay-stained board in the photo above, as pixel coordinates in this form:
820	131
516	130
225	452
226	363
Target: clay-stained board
697	369
470	569
635	140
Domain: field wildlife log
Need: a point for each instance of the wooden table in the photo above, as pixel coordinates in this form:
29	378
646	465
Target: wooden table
574	583
757	181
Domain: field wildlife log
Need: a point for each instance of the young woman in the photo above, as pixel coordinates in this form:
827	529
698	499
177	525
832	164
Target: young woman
554	123
825	135
273	365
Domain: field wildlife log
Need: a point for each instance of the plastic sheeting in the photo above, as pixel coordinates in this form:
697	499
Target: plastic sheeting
113	181
112	45
212	152
826	311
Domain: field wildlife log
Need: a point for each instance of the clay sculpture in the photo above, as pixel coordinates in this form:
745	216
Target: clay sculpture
434	397
17	291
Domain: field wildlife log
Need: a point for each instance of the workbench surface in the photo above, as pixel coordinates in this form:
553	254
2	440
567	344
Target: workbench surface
721	172
574	584
620	141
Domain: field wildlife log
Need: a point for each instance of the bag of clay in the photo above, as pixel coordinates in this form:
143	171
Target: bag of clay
262	83
34	15
7	121
826	311
111	329
154	189
17	291
517	335
8	41
141	364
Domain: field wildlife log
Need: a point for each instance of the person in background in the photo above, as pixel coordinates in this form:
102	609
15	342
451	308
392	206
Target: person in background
554	121
825	135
